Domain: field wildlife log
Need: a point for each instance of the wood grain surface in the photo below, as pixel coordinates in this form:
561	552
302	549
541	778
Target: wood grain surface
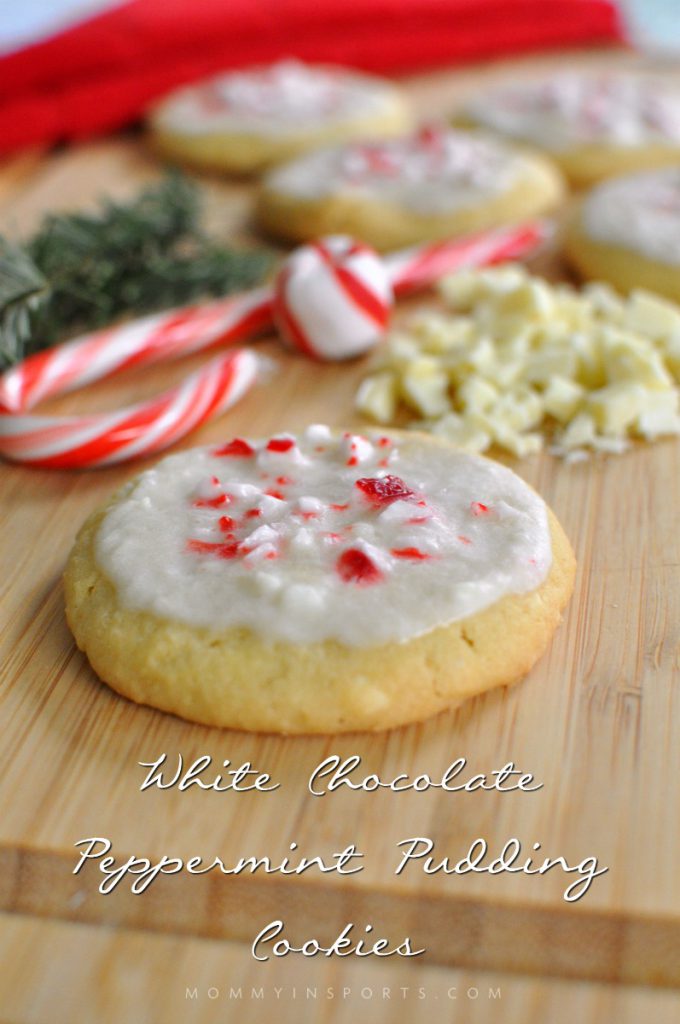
105	975
597	722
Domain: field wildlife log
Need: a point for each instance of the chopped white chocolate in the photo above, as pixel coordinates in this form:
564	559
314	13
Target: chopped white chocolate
460	431
518	357
377	397
651	315
425	386
562	397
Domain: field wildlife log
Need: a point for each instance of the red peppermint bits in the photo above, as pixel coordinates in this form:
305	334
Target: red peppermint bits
253	513
216	502
222	550
227	524
283	481
382	490
384	442
339	508
280	444
478	509
429	135
238	448
354	566
275	494
413	553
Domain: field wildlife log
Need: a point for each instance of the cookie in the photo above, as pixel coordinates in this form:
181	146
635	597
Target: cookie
324	583
627	231
244	121
435	183
594	125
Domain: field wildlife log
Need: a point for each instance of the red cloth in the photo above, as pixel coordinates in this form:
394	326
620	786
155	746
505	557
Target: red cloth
102	73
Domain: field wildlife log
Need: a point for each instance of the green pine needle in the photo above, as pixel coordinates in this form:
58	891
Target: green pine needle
83	271
23	290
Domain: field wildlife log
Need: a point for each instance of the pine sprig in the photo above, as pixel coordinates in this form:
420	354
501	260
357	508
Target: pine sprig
23	290
83	271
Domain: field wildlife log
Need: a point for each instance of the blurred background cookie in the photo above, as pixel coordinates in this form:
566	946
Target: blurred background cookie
244	121
435	183
594	125
627	232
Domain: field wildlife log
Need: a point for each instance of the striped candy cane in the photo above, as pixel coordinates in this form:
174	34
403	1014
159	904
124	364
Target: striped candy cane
421	266
141	430
72	442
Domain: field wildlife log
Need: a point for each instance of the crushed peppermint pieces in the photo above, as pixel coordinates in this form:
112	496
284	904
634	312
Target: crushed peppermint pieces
413	553
381	490
266	523
238	448
355	566
280	444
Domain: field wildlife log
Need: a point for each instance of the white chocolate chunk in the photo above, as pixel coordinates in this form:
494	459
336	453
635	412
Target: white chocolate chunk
425	387
477	393
656	423
562	398
651	315
518	356
377	397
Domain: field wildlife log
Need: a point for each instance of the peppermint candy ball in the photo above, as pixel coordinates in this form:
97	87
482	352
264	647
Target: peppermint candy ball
332	299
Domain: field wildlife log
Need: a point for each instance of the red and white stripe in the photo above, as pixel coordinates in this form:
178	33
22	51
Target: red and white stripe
356	292
333	298
75	442
150	339
422	265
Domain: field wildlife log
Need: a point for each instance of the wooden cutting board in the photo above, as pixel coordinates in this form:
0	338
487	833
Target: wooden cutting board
597	722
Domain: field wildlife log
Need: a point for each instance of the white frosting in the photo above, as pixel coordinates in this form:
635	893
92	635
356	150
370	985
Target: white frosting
431	171
575	108
281	99
454	534
638	211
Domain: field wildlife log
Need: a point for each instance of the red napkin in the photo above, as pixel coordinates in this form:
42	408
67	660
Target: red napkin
103	73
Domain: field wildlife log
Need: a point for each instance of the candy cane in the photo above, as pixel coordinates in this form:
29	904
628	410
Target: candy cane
140	430
420	266
70	442
150	339
333	297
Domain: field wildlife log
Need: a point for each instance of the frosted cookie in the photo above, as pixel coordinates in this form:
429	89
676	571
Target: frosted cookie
324	583
244	121
432	184
593	125
627	232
